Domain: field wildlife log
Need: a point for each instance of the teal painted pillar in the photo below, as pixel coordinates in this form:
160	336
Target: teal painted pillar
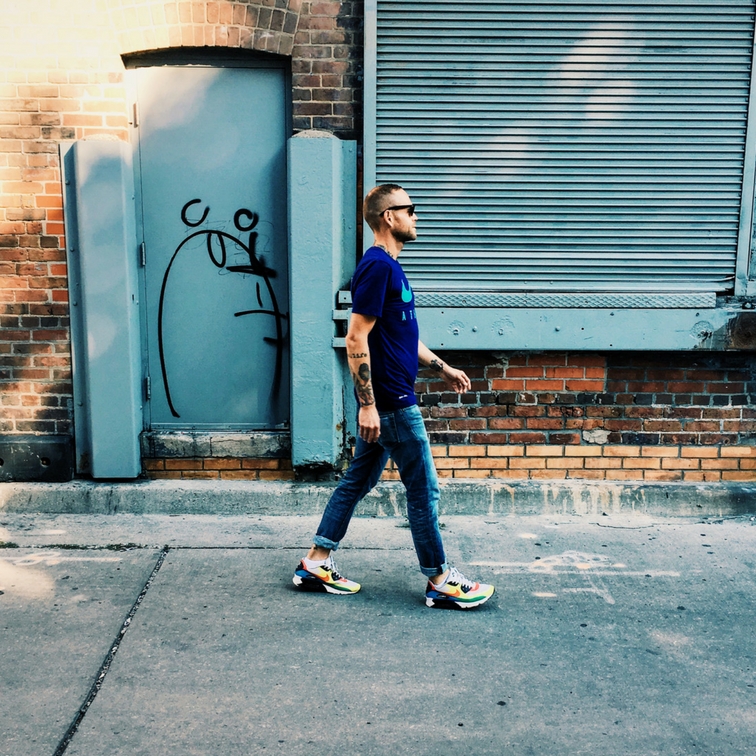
102	259
322	240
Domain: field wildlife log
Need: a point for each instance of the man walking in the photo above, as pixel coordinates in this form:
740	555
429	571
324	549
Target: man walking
383	350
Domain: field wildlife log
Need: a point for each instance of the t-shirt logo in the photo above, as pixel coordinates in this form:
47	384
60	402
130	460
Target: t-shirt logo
406	293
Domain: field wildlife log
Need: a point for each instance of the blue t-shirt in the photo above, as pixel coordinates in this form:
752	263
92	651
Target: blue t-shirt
380	288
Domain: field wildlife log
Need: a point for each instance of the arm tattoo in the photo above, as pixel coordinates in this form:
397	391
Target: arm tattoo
357	356
437	365
363	385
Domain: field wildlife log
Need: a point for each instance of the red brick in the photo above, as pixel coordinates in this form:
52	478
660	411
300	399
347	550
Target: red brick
471	474
541	423
586	385
719	464
489	463
259	464
533	384
662	475
526	463
739	475
685	387
687	463
587	474
526	438
564	372
586	360
554	359
280	475
524	372
221	463
726	388
624	475
500	384
450	463
466	451
505	451
240	474
565	463
510	474
603	462
638	463
548	474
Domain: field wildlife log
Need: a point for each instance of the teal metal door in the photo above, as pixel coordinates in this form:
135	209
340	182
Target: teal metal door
212	164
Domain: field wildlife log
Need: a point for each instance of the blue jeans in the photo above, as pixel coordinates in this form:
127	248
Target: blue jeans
403	438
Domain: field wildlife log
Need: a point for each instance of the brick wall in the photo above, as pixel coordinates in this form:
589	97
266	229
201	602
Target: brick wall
634	416
219	468
62	78
327	69
614	416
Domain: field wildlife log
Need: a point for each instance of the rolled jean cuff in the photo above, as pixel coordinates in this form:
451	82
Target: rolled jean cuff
433	571
325	543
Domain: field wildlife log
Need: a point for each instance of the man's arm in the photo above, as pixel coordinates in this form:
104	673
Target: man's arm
456	379
358	356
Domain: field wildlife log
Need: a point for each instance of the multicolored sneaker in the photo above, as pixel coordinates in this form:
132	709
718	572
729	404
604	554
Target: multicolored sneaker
324	578
457	592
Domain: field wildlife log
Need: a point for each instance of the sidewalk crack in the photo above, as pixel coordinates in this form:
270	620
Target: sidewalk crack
107	662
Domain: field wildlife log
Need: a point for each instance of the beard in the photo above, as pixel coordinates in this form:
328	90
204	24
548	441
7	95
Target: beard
404	235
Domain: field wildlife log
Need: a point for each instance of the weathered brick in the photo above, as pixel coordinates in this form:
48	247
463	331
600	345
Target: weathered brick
668	475
582	451
680	463
548	474
720	464
739	475
240	474
587	474
451	463
505	451
467	451
621	451
223	463
565	463
259	464
527	463
489	463
603	462
738	451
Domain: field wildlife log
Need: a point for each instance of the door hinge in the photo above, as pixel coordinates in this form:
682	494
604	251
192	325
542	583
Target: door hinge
142	255
147	387
135	115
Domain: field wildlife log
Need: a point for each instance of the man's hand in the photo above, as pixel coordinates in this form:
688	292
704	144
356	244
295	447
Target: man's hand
369	422
456	379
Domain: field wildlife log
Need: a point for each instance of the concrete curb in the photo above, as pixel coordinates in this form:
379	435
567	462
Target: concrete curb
292	498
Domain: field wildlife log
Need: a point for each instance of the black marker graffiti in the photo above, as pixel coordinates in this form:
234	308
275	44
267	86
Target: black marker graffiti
219	257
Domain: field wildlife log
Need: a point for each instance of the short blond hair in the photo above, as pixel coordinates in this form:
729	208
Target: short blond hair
375	203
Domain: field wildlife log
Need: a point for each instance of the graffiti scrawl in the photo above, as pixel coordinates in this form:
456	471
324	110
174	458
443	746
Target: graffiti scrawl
217	245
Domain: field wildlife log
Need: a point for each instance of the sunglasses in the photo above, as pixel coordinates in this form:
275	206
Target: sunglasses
409	208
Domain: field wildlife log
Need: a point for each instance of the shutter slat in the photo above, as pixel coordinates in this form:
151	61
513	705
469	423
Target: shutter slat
569	146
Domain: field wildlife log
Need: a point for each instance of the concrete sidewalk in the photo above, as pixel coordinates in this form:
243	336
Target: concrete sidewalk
458	497
155	634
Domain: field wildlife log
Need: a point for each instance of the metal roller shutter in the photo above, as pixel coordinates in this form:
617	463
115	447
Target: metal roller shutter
571	146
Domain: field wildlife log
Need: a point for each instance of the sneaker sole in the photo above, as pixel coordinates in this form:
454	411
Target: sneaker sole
452	604
318	586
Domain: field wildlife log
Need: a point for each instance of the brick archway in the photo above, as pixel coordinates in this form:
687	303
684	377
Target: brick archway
155	24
